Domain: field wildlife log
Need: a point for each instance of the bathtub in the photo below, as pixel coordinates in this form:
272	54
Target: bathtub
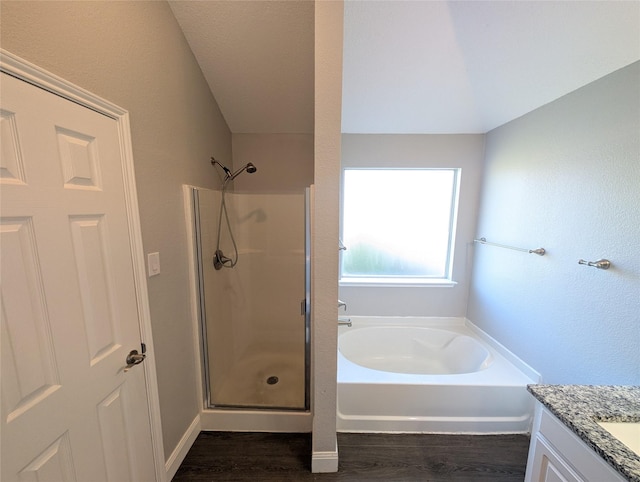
429	375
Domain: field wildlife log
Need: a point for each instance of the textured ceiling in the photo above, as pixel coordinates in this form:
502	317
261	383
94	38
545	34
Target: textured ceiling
409	66
455	67
257	57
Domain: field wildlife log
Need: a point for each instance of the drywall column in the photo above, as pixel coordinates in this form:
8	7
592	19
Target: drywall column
328	106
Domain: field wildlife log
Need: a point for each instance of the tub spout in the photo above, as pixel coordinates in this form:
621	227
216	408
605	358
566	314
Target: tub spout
342	304
343	320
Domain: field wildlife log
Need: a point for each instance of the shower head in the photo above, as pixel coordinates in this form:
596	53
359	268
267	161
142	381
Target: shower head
250	168
230	176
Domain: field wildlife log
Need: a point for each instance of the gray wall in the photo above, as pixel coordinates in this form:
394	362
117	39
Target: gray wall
566	177
414	151
284	161
134	54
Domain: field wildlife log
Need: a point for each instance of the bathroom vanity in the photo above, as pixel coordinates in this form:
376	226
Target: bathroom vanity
568	443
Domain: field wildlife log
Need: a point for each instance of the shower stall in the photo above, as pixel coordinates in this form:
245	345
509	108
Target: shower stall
252	268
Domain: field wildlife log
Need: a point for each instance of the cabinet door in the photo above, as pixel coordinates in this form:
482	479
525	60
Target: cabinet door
548	466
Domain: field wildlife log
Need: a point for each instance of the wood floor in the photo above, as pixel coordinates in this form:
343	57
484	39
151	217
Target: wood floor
271	457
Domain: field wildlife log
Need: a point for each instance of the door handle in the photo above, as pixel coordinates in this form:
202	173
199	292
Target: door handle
134	358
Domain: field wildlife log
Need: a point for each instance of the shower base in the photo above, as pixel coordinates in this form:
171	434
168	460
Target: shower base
254	405
263	381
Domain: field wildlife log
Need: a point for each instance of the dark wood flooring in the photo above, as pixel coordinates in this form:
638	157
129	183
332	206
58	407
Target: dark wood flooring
258	457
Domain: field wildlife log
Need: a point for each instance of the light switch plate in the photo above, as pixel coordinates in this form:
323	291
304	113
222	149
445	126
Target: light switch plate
153	264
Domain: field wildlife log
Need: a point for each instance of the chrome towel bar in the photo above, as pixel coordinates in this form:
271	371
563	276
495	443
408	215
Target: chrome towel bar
538	251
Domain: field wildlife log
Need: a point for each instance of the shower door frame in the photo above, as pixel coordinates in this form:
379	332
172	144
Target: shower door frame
201	310
307	298
199	279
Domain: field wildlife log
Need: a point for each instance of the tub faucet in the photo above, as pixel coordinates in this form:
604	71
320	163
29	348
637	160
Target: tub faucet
343	320
342	304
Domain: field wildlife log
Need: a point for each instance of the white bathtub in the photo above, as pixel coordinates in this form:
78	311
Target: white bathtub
429	375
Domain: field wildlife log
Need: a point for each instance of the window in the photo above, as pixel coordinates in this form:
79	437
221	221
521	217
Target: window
398	225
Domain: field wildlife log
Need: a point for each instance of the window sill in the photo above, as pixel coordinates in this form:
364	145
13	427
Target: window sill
386	283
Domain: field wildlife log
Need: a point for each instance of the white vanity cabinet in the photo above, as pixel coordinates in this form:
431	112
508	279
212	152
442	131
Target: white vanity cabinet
556	454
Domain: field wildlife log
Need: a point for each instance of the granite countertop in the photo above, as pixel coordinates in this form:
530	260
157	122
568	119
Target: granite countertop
580	406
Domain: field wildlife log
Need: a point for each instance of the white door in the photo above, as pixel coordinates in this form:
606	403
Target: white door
69	309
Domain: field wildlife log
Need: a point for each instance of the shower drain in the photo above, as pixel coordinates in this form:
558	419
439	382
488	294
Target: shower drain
272	380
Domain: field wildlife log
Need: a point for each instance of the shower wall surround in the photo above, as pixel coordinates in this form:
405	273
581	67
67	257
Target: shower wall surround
567	177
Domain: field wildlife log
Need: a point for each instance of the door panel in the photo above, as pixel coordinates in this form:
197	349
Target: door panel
11	166
54	464
69	308
29	371
96	285
111	413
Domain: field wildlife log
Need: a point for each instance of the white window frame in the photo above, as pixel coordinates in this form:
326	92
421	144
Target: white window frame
438	281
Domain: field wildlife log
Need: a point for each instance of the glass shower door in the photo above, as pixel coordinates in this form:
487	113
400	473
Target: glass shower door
255	327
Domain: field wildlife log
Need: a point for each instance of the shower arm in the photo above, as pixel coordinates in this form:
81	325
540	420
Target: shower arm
230	176
227	172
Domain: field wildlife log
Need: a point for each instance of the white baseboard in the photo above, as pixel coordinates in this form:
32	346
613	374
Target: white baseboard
323	462
180	452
